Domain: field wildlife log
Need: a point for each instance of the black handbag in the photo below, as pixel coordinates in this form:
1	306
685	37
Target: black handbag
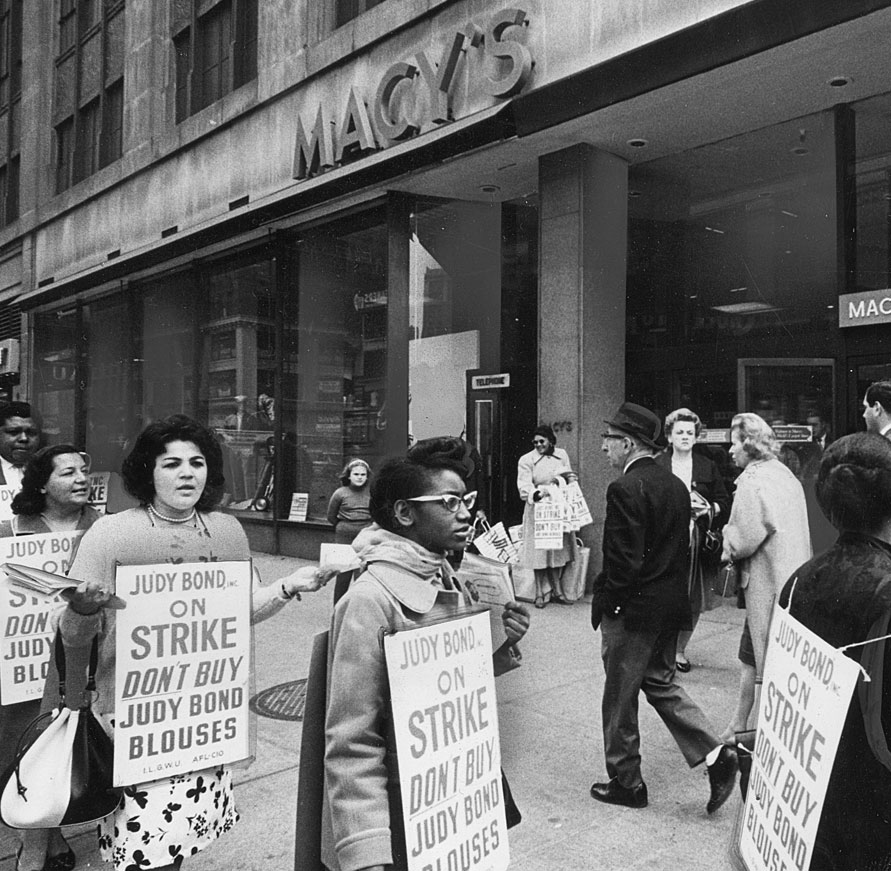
512	813
745	748
62	774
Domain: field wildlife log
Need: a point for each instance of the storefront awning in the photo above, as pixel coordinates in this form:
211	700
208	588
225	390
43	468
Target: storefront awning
741	32
374	171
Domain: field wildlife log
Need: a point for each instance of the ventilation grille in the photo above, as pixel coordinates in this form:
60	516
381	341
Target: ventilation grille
10	321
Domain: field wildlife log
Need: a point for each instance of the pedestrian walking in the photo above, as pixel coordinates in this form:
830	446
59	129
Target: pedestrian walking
423	511
640	603
709	501
767	537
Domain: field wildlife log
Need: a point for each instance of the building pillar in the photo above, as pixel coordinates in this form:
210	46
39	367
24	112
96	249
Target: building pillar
583	252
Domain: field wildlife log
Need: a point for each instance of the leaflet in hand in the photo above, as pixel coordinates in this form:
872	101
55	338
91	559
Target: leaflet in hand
37	580
338	558
48	583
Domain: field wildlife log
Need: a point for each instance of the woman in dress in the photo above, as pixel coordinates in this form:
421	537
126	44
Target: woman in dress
709	500
348	512
767	537
540	471
175	472
53	498
843	595
422	510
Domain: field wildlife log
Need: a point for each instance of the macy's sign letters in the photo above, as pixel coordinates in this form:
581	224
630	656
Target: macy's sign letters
414	93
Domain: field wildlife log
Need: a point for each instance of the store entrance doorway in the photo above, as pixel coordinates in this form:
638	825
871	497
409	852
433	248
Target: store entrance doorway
484	432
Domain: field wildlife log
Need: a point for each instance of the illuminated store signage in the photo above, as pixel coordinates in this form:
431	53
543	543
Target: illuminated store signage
413	94
866	308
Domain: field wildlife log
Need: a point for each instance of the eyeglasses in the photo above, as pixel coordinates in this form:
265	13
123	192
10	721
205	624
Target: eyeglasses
611	435
539	441
450	500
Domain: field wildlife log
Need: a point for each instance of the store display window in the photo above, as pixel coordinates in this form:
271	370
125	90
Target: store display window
454	309
335	356
733	255
55	373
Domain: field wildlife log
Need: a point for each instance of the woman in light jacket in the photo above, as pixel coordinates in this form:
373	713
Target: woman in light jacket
540	471
422	512
767	537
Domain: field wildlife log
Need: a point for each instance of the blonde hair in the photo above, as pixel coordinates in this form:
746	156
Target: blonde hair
758	440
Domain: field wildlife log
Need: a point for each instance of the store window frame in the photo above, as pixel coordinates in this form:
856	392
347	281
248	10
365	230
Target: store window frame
745	402
214	52
11	12
348	10
88	119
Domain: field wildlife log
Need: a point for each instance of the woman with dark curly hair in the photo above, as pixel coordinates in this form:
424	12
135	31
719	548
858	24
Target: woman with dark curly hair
54	494
843	595
176	472
53	498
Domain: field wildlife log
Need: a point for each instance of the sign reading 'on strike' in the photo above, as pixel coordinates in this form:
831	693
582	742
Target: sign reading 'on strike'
446	726
804	701
183	646
26	643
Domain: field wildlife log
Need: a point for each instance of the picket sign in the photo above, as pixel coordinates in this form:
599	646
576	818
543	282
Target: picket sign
495	543
549	527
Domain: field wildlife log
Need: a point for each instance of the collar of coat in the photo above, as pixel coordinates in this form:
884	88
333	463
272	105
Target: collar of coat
409	590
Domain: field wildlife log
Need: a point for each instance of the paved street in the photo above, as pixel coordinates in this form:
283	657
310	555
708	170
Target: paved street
551	743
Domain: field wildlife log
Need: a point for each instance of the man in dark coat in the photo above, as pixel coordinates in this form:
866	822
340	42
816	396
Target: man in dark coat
640	603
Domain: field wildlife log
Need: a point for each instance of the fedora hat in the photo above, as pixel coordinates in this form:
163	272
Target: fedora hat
637	421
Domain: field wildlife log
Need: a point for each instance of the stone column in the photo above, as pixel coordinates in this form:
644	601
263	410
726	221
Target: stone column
583	243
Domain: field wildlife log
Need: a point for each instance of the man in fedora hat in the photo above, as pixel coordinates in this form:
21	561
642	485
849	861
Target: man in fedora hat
640	604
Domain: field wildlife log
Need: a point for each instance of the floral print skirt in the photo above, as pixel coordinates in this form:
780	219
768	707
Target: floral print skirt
166	821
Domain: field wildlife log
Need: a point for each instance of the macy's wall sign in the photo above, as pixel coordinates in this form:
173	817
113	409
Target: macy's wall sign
414	94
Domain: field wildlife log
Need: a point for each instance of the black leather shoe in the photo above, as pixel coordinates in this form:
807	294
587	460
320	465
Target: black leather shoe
721	777
614	793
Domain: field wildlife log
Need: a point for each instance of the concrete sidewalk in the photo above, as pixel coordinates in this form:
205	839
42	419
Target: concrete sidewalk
549	713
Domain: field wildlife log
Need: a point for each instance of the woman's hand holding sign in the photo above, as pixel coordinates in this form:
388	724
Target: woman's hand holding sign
516	621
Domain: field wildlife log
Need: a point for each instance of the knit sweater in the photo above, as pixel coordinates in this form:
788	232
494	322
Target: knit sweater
349	503
131	538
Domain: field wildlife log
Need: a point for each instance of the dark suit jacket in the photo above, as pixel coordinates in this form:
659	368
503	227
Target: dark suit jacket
646	539
707	481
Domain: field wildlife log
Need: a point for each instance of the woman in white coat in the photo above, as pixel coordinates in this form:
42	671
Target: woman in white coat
767	537
540	472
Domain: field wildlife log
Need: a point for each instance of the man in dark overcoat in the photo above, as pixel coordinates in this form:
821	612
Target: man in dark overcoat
640	604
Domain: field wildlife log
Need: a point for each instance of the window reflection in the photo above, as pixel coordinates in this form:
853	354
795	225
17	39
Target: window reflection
55	356
454	309
732	254
334	402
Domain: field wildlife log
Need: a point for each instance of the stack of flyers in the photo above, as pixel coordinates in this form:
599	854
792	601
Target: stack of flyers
48	583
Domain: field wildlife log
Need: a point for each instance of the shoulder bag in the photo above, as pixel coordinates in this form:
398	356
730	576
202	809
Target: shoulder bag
61	775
